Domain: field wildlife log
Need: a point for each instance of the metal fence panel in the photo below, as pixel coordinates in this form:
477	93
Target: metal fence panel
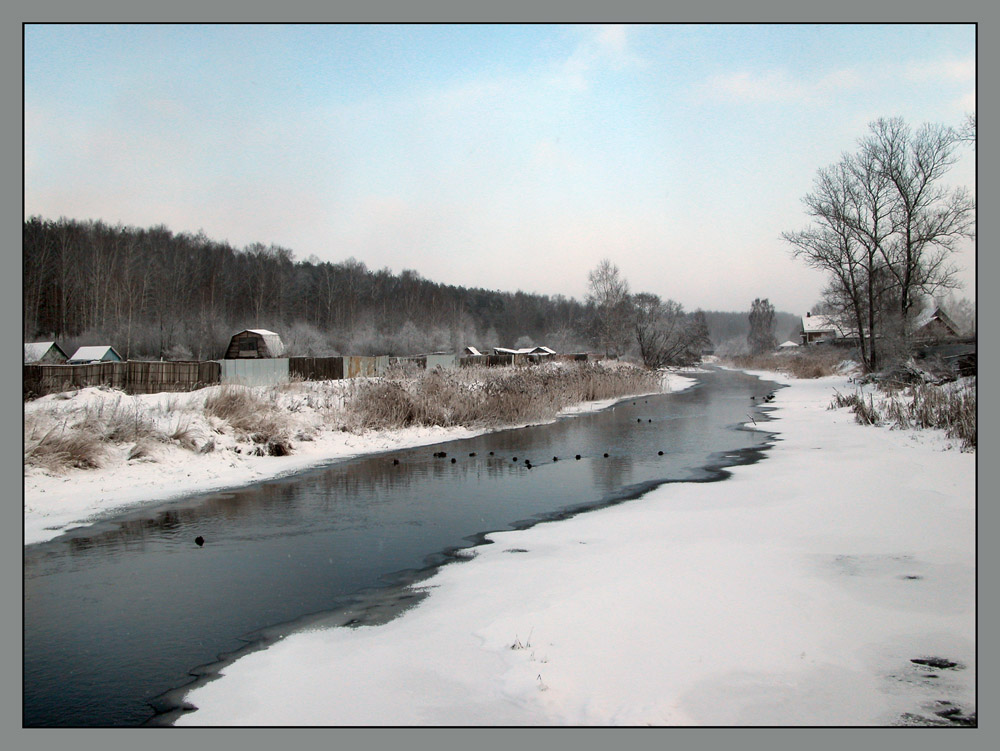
260	372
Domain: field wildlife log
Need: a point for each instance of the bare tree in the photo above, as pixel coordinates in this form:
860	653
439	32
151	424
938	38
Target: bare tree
761	337
665	334
929	219
609	294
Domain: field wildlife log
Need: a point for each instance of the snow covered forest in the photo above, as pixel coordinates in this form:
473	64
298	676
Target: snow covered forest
154	293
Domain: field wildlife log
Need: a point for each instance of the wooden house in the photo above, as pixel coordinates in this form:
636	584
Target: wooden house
934	324
44	353
254	343
96	353
818	329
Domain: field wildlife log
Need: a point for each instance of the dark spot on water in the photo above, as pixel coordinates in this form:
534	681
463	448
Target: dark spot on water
578	456
515	550
936	662
639	420
648	420
659	453
555	458
472	453
453	460
911	577
491	453
514	459
605	456
199	541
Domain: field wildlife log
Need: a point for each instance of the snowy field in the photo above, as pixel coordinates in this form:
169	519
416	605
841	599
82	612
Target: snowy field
57	501
831	584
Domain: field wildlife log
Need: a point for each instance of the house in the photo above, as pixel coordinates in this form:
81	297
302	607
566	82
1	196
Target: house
254	343
97	353
43	353
821	328
934	323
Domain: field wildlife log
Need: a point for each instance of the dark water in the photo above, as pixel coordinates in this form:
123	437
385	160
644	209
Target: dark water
119	613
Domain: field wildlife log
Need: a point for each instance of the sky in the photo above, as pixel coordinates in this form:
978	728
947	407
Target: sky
509	157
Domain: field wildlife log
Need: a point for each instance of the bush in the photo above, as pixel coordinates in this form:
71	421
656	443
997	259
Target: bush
806	362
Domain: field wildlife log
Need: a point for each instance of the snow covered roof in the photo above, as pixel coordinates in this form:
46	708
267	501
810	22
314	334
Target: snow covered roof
525	351
787	344
96	352
275	346
35	351
816	324
934	314
472	351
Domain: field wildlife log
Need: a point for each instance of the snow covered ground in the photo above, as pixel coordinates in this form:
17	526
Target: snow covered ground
831	584
55	502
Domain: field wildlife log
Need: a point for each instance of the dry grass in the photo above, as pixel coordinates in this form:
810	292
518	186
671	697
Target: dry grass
949	407
806	362
59	447
489	396
252	416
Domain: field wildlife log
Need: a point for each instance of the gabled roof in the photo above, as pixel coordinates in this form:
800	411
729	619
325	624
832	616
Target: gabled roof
787	344
934	314
816	324
96	352
35	351
525	351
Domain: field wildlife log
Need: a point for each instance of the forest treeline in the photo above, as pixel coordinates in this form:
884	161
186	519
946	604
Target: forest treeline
153	294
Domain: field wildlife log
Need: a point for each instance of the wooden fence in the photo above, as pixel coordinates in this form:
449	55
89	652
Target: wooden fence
133	377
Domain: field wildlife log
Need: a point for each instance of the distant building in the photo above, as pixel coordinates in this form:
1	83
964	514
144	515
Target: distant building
787	345
43	353
525	351
821	328
255	343
97	353
934	324
472	351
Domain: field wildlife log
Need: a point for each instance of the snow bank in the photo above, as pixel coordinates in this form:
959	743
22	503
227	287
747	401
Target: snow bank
797	592
55	502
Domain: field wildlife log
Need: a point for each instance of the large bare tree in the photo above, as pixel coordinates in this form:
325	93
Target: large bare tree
608	292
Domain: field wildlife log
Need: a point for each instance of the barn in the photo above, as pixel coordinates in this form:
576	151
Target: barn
96	353
255	343
43	353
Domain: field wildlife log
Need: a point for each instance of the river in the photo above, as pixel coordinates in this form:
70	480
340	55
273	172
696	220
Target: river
119	613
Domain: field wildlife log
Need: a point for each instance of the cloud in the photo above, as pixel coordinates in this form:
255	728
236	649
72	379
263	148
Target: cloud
601	48
944	70
776	85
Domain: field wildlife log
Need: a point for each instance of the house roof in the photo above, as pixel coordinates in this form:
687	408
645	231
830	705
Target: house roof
96	352
35	351
273	341
815	324
934	314
473	351
525	351
788	344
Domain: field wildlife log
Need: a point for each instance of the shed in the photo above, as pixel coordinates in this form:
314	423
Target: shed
254	343
472	351
44	352
96	353
788	345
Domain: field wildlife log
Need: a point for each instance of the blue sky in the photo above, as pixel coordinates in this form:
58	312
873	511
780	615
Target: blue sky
507	157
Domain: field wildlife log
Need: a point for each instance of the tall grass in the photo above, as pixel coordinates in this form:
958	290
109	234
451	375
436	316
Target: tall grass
806	362
950	407
490	396
253	417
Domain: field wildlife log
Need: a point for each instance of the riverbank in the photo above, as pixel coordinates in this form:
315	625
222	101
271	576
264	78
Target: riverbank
55	501
831	584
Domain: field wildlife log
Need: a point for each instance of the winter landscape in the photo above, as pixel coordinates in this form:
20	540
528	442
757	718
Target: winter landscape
489	377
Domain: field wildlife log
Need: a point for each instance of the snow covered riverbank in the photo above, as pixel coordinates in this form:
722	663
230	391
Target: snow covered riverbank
57	501
833	583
